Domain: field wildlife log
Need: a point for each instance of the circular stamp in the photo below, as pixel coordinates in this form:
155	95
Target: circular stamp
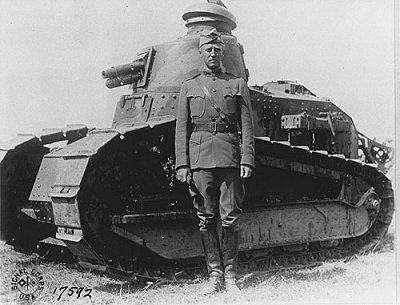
27	283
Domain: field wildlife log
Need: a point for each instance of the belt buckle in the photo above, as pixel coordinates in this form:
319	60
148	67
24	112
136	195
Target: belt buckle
213	127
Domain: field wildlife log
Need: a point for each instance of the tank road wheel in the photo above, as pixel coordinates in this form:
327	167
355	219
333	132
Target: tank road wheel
113	186
93	222
98	197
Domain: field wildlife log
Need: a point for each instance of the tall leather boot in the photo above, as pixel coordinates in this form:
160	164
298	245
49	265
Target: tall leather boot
212	253
230	248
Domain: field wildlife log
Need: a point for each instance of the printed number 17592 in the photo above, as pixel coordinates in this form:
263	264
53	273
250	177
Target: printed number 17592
73	290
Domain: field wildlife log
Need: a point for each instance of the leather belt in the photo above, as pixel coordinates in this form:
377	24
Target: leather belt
215	127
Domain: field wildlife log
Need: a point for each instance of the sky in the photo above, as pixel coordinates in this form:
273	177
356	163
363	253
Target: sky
52	54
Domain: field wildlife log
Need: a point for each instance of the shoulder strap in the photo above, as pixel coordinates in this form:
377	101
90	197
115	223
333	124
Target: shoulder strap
214	104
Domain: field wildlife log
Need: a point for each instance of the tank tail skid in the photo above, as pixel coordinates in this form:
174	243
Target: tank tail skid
20	159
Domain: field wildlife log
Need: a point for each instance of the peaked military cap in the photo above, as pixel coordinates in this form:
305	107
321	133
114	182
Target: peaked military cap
210	36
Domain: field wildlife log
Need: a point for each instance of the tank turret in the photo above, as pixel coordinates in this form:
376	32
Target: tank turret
158	71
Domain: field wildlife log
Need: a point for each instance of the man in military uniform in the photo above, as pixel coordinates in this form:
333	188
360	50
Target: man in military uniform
212	157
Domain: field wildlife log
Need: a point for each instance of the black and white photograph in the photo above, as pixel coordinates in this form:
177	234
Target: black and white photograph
199	151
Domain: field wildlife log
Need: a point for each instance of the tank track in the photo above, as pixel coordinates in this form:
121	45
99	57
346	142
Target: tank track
279	259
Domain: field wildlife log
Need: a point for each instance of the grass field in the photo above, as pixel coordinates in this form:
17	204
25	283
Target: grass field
369	279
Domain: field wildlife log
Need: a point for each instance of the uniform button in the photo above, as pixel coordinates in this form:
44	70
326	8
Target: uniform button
214	90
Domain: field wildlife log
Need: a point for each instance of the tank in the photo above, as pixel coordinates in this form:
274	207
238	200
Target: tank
110	198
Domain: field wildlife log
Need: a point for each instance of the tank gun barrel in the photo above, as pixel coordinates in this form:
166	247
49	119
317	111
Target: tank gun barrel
122	70
122	80
123	75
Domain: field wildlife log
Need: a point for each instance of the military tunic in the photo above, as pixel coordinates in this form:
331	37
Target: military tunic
205	150
215	157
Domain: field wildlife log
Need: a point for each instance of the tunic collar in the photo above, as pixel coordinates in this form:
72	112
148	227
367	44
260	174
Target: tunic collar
208	72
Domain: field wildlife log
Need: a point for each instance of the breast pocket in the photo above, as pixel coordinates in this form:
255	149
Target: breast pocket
197	103
230	100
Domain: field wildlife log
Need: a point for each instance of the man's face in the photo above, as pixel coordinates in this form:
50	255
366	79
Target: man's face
212	54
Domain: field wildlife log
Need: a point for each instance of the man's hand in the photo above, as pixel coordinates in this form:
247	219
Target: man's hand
245	171
183	174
